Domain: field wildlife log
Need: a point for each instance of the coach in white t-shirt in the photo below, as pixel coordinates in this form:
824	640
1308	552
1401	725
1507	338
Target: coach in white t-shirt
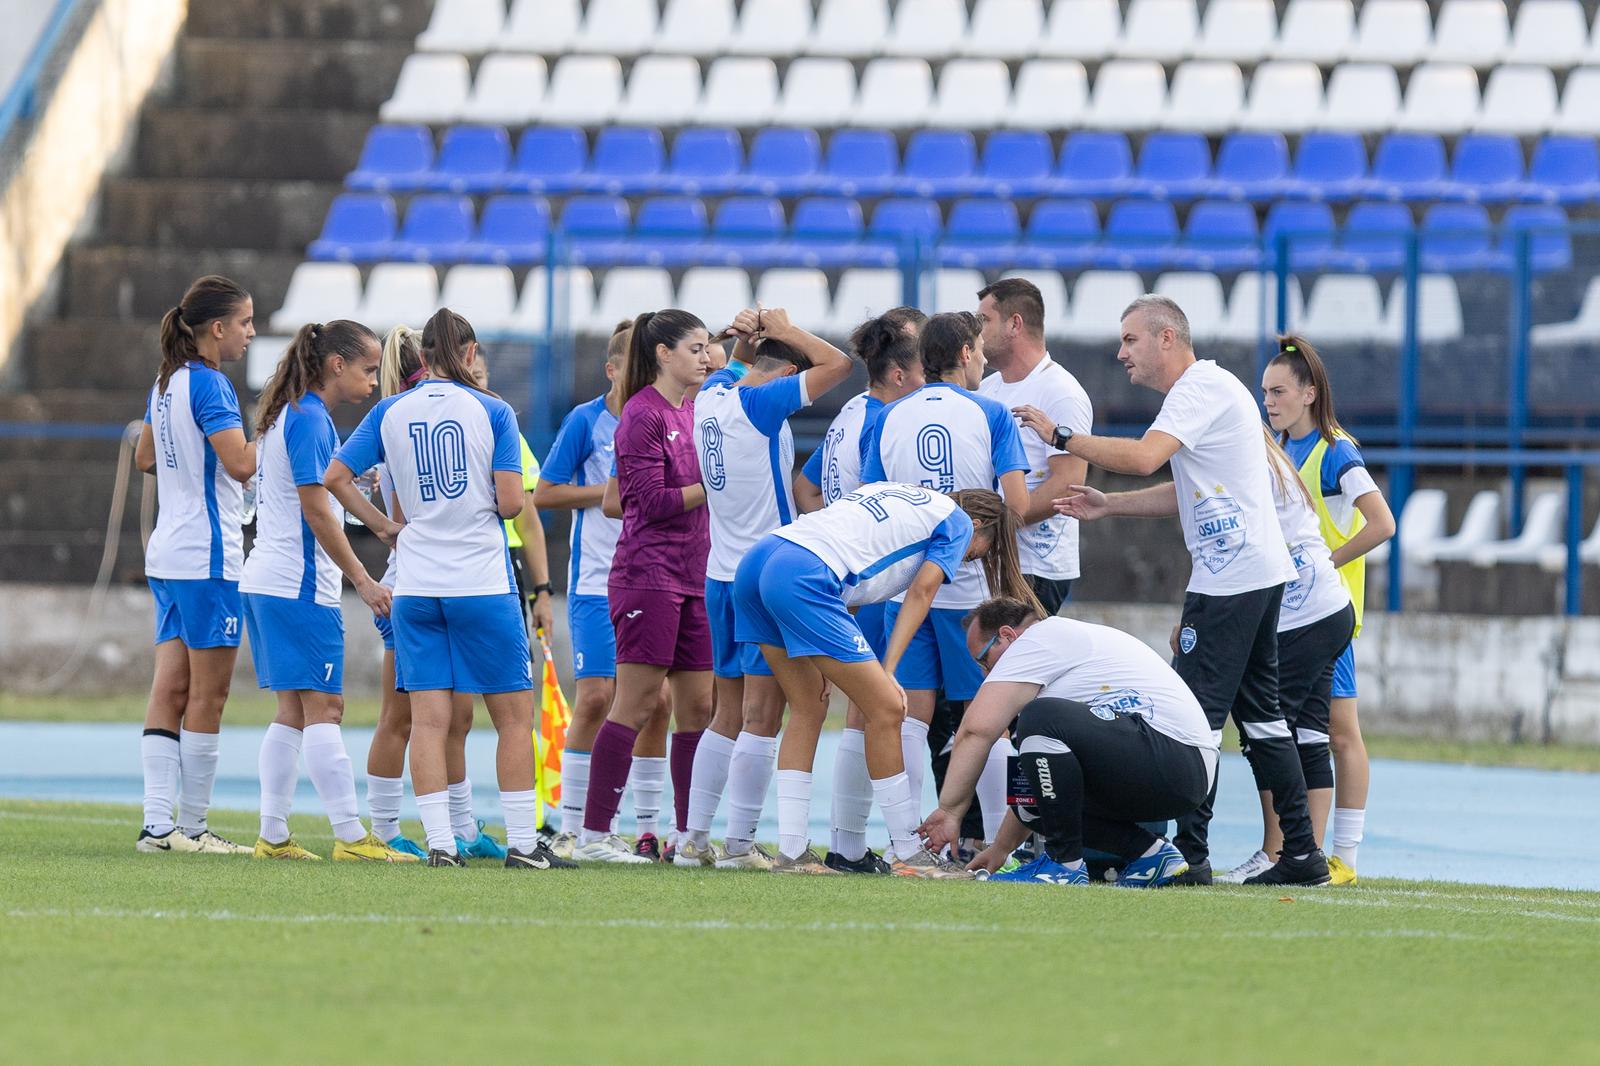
1209	429
1012	311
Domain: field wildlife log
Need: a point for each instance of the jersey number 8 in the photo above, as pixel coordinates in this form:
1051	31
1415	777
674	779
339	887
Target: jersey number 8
440	452
711	464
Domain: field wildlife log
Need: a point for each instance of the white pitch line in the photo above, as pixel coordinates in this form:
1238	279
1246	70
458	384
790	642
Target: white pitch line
1442	906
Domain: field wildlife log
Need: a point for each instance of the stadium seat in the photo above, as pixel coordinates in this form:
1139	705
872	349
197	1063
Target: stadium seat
1015	163
469	26
926	28
545	26
862	293
1128	94
981	234
1421	522
1548	33
508	90
1328	166
901	226
1362	97
1487	168
669	231
783	162
1052	292
573	298
1397	32
706	161
801	292
695	28
1049	94
596	229
513	230
1240	30
583	90
1479	526
1438	310
1473	32
973	94
1200	296
826	233
1163	30
318	292
431	89
1580	103
1549	241
1519	100
771	27
938	163
1061	235
549	159
897	93
716	294
1081	29
747	231
472	159
1004	29
1583	328
394	157
1250	166
1307	229
860	163
399	293
1563	170
817	92
855	29
1221	235
618	27
1344	309
740	91
1284	96
1442	98
1252	307
486	296
1408	166
1139	235
953	289
1098	298
1097	165
627	159
1554	557
1207	95
1374	237
1455	239
1172	166
360	227
627	292
662	90
436	230
1316	30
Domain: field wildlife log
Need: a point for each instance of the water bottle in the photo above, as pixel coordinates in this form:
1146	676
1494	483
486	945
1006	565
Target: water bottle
247	508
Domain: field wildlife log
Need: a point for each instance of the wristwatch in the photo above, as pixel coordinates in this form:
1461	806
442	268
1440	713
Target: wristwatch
543	586
1059	439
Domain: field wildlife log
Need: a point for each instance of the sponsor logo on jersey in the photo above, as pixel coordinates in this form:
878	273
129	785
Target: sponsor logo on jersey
634	614
1122	703
1187	639
673	435
1047	784
1219	531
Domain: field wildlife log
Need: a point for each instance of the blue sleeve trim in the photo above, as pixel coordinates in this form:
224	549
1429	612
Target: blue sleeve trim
364	448
573	445
948	543
309	439
212	401
507	439
768	405
1005	443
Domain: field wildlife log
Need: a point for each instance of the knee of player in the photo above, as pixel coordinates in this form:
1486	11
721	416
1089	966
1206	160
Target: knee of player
331	709
1039	726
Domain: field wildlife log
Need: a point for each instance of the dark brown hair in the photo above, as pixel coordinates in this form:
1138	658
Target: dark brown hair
666	327
617	346
1309	371
999	611
776	355
883	344
301	368
208	299
1018	296
943	337
1001	566
444	347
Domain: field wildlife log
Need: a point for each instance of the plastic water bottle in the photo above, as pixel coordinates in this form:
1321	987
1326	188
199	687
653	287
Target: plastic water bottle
247	509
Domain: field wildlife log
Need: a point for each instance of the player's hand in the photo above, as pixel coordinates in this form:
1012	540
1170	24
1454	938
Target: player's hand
376	597
1030	417
544	613
1085	504
939	830
905	703
1172	641
990	858
744	323
774	322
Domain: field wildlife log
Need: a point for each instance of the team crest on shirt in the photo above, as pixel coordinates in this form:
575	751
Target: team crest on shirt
1044	536
1114	703
1219	531
1296	592
1187	639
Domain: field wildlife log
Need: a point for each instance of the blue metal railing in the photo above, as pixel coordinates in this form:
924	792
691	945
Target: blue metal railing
22	96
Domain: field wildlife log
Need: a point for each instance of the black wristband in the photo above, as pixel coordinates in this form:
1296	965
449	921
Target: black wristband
543	586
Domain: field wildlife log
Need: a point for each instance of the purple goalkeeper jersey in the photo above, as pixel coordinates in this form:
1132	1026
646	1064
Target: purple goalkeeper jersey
662	546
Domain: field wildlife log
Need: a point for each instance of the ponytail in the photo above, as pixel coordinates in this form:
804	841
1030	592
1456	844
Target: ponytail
1001	566
1283	469
301	368
650	329
401	366
208	299
1309	371
444	347
883	343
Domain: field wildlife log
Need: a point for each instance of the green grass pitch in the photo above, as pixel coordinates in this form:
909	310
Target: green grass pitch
110	956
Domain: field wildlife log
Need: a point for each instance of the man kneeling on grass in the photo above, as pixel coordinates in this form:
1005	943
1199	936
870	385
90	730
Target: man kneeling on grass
1108	736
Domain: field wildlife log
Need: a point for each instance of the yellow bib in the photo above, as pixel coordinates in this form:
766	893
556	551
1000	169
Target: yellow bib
1353	573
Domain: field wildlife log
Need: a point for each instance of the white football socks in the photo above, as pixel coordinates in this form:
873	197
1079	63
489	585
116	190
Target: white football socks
992	789
160	755
434	810
197	755
749	775
328	764
383	804
852	795
574	789
794	812
462	823
279	768
1349	825
707	781
522	830
900	813
914	750
647	779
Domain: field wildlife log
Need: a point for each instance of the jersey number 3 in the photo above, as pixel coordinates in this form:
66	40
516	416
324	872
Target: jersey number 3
440	452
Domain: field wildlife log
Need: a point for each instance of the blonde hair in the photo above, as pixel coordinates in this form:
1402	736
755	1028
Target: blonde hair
402	359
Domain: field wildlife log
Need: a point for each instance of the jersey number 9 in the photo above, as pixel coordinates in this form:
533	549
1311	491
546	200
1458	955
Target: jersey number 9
440	452
936	455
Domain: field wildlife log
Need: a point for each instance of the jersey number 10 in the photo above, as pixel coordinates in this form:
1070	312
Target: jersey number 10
440	452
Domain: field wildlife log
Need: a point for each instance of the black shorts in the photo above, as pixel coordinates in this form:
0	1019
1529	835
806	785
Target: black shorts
521	579
1228	654
1052	592
1306	657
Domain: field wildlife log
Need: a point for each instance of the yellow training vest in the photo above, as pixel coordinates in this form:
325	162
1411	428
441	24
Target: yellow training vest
1353	573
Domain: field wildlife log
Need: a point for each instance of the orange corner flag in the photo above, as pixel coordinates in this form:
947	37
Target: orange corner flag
550	734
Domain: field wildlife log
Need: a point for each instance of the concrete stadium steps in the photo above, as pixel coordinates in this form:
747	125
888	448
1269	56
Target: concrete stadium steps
184	142
281	216
346	20
353	75
124	281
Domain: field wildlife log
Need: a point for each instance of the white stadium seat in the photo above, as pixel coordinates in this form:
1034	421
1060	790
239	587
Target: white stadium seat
574	293
771	27
1397	32
801	292
1128	94
927	28
1470	31
862	293
954	289
1081	29
1438	310
1052	292
1098	298
1159	29
262	357
1479	526
548	27
1440	98
584	90
399	293
662	91
1005	29
1421	521
1554	557
1049	94
1252	307
1518	99
508	90
817	92
716	294
1207	95
1284	95
695	27
484	295
972	94
1200	296
853	28
1345	308
1580	103
1364	97
431	89
628	292
1548	32
1541	530
894	92
1241	30
618	27
318	292
740	91
1318	30
1583	329
469	26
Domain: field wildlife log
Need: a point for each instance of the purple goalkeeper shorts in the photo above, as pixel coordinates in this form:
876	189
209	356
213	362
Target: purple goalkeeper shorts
657	628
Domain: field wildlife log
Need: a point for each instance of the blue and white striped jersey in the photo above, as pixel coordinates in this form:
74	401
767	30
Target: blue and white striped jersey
197	532
585	454
286	559
835	468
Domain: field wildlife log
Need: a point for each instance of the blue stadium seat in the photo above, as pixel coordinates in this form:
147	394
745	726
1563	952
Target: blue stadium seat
549	159
668	231
437	229
471	159
783	162
1455	238
1307	226
938	163
1328	166
1488	168
394	157
627	159
1408	166
860	163
747	231
1061	235
1549	242
899	225
1172	166
1250	166
981	234
826	234
1094	164
1374	237
1015	163
1221	235
1139	235
706	161
360	228
596	229
1564	170
512	231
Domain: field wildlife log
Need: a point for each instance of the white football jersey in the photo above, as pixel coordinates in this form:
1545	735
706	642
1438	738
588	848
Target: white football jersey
197	532
1316	591
585	454
835	467
286	559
